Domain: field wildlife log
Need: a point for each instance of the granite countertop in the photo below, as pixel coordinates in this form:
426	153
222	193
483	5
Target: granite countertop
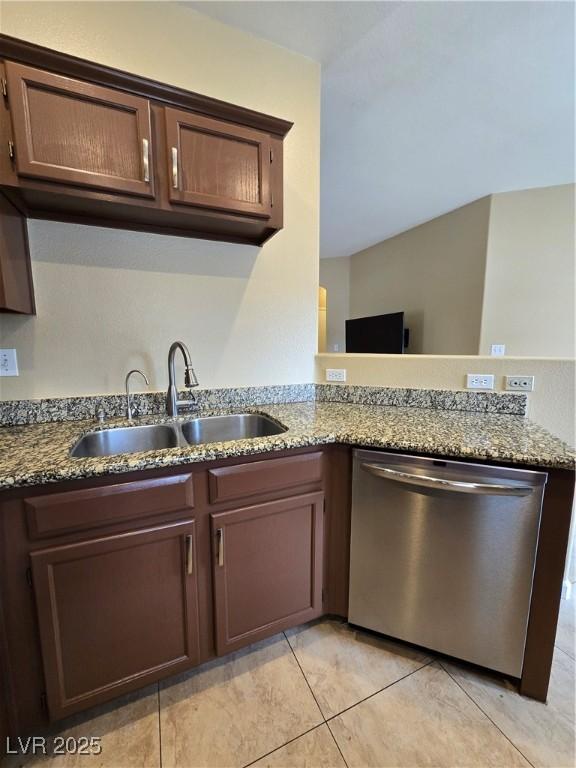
39	453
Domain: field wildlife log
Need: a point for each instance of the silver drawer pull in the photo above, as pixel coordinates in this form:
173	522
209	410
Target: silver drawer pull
175	167
189	555
423	481
220	539
146	159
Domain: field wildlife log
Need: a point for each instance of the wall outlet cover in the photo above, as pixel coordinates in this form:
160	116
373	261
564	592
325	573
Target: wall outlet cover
480	381
519	383
8	362
498	350
335	374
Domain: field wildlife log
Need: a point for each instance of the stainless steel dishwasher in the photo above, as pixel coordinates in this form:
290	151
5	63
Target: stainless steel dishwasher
442	554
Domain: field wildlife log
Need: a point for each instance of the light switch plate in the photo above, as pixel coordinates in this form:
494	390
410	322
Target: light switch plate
8	362
497	350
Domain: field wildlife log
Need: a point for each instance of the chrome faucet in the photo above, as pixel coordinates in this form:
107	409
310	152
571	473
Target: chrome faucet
190	380
127	385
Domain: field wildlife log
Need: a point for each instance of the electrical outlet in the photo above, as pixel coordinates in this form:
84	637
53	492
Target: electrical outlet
519	383
8	362
480	381
335	374
497	350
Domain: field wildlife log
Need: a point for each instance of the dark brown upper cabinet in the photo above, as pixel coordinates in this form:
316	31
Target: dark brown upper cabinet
16	291
214	164
74	132
86	143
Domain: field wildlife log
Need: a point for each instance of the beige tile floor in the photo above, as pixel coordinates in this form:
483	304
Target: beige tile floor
326	696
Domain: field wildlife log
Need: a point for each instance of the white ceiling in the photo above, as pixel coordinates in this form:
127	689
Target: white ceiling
426	106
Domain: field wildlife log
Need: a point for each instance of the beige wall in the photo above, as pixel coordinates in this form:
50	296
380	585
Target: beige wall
335	277
111	300
551	404
435	274
529	290
498	271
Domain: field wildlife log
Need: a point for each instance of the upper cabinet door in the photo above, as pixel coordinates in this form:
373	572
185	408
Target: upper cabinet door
74	132
218	165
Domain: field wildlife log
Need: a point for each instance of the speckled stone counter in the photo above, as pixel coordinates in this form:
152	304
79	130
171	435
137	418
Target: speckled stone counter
39	453
19	412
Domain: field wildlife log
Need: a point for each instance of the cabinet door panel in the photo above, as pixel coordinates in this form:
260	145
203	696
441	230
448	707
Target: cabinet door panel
16	290
115	613
74	132
267	568
218	165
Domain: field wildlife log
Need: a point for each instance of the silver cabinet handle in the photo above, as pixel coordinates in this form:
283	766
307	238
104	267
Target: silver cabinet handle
220	539
189	555
175	167
146	159
422	481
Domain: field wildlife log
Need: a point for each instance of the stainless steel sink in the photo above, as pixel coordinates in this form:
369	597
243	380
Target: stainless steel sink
109	442
238	426
154	437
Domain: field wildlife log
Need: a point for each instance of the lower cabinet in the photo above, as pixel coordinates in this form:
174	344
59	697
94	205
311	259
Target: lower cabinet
267	567
135	580
115	613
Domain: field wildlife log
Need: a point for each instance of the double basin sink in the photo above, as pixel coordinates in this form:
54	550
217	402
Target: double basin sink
154	437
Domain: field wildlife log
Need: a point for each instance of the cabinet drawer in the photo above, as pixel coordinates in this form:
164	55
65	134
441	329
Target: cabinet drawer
71	511
228	483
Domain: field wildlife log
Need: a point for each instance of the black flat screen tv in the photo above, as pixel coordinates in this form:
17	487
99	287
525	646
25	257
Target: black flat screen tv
380	334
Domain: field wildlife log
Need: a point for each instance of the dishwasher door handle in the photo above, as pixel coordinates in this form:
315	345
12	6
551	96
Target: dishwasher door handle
423	481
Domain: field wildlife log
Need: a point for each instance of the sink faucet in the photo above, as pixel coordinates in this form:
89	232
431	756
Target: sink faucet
190	380
127	384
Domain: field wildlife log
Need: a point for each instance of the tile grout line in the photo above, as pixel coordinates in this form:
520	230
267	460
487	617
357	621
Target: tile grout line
564	652
159	723
316	700
366	699
473	700
327	720
300	735
336	742
371	696
337	745
305	678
